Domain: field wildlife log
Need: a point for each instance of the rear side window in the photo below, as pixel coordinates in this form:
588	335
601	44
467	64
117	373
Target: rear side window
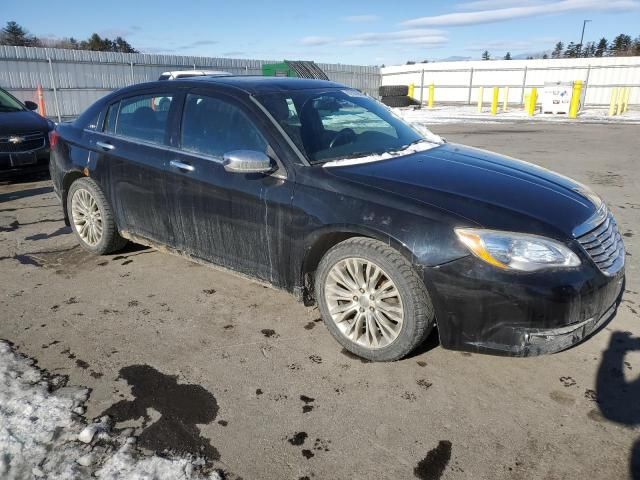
144	117
213	127
110	119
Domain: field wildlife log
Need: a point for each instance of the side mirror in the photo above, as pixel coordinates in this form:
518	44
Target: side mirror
31	105
247	161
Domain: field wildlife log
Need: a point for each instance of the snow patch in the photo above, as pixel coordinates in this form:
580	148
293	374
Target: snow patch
470	114
42	437
415	148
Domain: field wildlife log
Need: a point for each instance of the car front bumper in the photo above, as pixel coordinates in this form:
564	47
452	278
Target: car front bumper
481	309
23	161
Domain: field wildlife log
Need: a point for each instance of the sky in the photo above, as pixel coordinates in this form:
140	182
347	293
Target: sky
369	32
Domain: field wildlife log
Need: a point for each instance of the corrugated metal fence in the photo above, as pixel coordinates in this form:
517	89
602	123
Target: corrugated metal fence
461	81
73	79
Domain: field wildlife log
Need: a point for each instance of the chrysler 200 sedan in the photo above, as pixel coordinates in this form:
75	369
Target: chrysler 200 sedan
322	191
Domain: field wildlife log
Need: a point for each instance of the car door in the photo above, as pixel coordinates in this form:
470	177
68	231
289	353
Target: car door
133	146
232	219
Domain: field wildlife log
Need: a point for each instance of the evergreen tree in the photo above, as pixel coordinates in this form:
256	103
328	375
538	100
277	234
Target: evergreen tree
571	51
507	56
545	56
635	49
486	55
589	50
557	51
601	49
15	35
621	45
121	45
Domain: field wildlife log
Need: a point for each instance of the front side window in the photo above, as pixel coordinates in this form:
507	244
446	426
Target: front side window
213	127
144	117
335	124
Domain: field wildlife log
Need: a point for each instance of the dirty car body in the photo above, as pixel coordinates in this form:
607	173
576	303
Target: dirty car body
430	204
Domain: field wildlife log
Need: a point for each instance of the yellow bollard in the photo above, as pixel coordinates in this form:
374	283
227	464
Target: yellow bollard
531	105
627	92
412	88
532	101
575	99
480	98
505	101
613	102
527	99
494	101
619	101
432	88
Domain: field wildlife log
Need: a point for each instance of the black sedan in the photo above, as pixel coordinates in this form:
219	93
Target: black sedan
322	191
23	134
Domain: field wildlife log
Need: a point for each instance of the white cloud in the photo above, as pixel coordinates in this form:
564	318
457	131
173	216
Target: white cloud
510	13
361	18
315	41
413	36
493	4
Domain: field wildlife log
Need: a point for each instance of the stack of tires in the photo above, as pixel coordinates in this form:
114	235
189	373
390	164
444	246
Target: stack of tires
394	95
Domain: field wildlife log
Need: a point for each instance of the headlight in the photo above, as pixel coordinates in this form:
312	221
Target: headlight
516	251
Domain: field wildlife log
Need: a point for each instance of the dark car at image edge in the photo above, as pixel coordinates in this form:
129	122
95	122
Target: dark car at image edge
322	191
24	143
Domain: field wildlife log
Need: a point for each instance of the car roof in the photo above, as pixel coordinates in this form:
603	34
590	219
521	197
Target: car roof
259	84
196	72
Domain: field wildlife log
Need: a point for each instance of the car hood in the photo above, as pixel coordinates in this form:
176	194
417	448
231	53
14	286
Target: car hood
22	122
482	187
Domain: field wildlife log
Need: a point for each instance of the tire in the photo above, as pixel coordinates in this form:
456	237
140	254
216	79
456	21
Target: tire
393	90
414	302
396	101
81	192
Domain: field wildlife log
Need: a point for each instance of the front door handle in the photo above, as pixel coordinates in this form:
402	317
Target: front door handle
105	146
182	166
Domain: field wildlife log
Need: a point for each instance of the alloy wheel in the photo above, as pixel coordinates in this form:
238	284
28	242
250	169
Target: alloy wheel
87	217
364	303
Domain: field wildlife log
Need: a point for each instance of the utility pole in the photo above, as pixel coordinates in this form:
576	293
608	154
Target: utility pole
584	24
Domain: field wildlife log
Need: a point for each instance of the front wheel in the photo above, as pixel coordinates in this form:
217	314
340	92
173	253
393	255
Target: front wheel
372	300
92	219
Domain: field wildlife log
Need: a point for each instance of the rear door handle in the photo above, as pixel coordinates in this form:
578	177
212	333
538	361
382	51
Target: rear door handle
182	166
105	146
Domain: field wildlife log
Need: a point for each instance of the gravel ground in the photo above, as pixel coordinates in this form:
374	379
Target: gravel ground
202	361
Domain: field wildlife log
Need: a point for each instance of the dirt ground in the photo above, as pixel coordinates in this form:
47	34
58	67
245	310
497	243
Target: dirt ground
228	367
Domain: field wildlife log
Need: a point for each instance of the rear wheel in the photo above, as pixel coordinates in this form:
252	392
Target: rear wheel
372	300
92	219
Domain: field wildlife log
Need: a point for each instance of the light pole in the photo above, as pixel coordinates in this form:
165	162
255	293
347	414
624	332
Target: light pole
584	24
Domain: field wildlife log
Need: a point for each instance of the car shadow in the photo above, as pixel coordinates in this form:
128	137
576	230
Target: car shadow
29	192
618	399
32	175
431	342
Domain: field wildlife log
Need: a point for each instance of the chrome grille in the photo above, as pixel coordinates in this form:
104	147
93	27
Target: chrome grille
28	142
604	245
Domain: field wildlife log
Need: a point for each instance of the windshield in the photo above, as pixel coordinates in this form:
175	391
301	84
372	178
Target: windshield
338	124
8	103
